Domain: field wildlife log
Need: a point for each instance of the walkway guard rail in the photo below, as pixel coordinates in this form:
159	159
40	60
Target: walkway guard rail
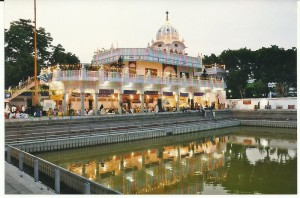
120	136
108	118
65	130
58	174
269	123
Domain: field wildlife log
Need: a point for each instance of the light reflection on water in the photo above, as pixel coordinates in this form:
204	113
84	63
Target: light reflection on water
236	160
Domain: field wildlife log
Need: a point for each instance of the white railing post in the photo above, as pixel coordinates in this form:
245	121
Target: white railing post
8	155
87	188
20	161
57	181
36	170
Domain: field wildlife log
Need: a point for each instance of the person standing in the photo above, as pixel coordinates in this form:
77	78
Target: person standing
101	107
156	109
23	110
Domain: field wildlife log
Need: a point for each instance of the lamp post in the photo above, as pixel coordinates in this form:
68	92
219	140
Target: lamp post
35	97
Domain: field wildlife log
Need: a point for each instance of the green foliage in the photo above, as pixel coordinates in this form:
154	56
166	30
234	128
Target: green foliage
60	57
19	51
265	65
256	89
207	60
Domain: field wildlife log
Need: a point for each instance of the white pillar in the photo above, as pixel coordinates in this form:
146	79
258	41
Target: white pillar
82	101
64	103
178	100
142	101
120	102
95	102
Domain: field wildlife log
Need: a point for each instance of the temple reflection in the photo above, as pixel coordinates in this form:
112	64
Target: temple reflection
225	161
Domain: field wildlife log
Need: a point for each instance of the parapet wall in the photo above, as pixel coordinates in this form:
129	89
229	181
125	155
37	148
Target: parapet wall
263	103
269	114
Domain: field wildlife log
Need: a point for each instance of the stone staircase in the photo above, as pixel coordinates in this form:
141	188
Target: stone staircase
25	86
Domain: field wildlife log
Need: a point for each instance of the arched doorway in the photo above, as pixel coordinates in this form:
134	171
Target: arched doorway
169	72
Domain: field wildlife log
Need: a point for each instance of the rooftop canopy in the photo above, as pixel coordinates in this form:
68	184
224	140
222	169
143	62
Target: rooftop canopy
145	54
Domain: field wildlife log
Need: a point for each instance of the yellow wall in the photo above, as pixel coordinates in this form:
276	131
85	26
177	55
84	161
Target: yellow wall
142	65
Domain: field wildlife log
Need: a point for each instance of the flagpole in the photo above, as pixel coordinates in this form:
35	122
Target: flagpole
35	97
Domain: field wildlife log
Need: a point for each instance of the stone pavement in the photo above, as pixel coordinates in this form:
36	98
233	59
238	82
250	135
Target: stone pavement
17	182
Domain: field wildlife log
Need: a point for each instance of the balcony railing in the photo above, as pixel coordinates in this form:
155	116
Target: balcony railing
125	78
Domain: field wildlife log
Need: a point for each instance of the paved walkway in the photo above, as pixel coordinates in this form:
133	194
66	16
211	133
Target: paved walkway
17	182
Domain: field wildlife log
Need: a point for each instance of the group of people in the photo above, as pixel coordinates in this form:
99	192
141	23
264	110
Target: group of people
125	109
138	109
16	112
103	111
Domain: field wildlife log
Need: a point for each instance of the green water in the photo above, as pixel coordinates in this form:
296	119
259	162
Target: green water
239	160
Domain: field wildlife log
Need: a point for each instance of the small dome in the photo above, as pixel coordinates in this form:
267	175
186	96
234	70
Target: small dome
167	31
167	39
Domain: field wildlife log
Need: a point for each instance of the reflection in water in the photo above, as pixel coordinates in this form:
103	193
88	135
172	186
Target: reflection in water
220	163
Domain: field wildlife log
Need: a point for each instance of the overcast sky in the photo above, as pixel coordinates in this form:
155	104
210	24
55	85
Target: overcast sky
207	26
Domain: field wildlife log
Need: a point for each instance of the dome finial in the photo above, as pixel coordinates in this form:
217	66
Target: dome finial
167	16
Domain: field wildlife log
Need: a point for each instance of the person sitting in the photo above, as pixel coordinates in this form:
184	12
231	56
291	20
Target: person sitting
101	107
124	110
24	115
148	73
91	112
54	112
17	115
130	110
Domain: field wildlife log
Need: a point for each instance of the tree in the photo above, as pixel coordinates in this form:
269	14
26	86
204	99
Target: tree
277	65
59	56
239	63
264	65
19	51
257	89
207	60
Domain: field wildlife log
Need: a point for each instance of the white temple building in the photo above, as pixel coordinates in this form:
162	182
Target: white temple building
161	74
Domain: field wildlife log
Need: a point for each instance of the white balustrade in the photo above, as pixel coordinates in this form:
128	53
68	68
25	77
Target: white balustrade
101	75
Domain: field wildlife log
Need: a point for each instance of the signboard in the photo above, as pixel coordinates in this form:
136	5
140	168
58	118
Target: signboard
198	94
129	91
106	91
165	93
151	92
48	104
246	102
184	94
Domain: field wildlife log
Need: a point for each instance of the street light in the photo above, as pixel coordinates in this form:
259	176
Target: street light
229	91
